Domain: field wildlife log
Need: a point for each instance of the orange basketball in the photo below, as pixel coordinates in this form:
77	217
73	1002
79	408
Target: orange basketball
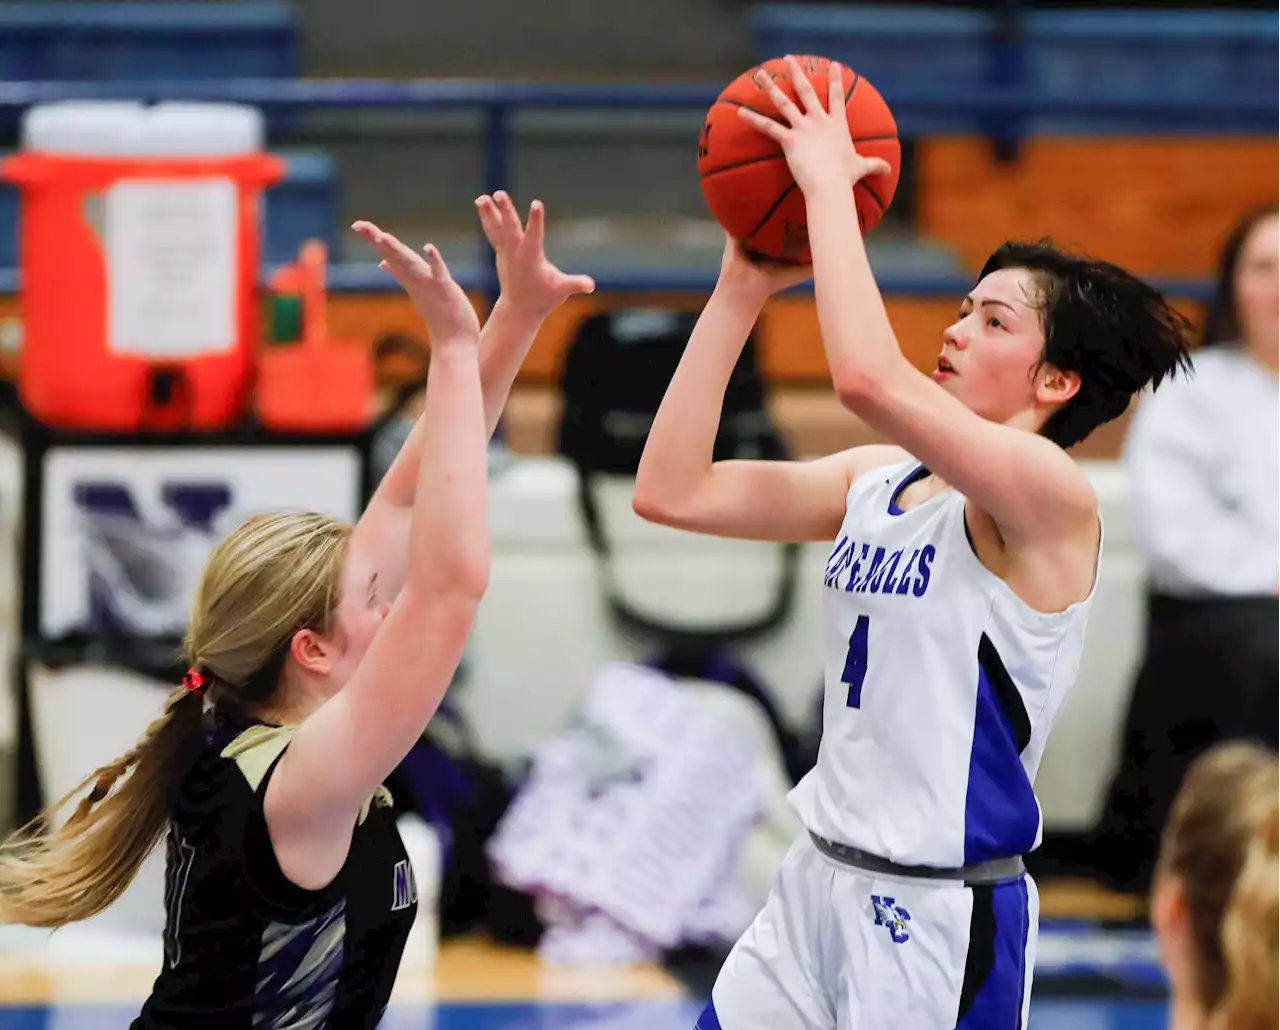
744	174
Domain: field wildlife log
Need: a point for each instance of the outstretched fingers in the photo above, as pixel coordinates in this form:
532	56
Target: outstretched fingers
435	262
878	166
499	220
835	87
394	254
771	128
784	104
805	92
536	229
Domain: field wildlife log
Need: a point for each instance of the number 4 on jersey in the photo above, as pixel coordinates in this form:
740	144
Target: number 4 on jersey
855	662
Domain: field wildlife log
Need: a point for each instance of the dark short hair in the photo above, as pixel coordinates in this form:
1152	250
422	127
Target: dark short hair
1109	327
1222	321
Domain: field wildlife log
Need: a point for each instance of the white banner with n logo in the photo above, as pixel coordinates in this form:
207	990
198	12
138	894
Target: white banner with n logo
125	531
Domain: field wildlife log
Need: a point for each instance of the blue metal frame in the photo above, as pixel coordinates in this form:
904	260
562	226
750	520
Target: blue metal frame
482	278
498	100
1148	113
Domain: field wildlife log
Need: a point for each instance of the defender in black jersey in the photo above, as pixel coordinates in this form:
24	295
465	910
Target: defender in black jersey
319	652
245	947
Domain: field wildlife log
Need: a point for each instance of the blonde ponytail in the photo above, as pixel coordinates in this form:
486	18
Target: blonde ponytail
1251	926
50	876
1219	845
274	575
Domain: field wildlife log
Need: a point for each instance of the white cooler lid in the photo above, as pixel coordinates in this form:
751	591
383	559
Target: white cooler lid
112	128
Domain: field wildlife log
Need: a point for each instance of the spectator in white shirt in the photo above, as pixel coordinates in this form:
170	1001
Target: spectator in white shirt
1203	464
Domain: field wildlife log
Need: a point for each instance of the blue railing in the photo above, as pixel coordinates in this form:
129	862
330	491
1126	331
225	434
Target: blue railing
498	101
158	39
915	111
362	277
1044	55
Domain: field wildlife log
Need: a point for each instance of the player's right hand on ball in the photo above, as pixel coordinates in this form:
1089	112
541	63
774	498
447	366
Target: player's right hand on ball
759	276
814	135
530	283
439	301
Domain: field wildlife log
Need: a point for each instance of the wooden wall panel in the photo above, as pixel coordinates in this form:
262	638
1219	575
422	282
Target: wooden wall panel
1156	206
791	351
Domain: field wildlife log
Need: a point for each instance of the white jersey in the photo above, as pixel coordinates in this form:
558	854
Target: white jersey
941	687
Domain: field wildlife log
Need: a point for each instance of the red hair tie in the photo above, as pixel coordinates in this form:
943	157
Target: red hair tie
195	681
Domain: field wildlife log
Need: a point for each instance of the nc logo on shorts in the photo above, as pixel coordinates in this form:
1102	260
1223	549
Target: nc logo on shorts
895	917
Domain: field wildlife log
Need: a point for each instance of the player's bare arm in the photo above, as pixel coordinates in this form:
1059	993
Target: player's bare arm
1034	493
343	752
531	288
679	485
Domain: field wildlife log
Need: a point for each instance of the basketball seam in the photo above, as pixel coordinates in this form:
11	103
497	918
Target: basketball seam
773	157
762	114
774	207
867	139
743	164
872	194
779	156
852	86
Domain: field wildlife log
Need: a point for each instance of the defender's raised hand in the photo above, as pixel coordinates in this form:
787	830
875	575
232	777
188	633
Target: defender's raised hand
439	301
530	283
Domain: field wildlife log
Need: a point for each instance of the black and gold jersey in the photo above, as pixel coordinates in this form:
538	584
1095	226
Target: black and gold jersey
245	947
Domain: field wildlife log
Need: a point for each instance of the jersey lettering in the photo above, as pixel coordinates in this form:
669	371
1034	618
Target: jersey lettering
855	662
404	887
905	614
875	570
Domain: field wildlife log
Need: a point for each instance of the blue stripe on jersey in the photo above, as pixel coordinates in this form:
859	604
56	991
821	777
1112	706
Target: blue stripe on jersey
709	1020
1001	817
995	972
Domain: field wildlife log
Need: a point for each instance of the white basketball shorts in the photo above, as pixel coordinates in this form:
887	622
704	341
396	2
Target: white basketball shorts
837	948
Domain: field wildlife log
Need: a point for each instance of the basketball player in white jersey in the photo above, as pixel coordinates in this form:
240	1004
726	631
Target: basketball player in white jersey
956	592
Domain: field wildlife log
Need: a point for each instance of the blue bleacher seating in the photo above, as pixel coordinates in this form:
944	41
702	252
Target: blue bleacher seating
1164	62
899	50
170	40
1169	54
155	39
302	206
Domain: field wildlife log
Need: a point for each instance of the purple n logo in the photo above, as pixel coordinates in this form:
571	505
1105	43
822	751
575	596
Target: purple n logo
139	569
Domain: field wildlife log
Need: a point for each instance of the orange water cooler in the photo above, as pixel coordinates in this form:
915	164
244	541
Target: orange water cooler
139	249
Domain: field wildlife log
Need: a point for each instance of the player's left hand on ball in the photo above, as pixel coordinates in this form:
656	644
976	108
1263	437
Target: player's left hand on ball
815	137
439	301
530	283
761	276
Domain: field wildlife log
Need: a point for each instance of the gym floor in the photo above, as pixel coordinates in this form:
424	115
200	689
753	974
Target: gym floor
480	986
1072	1015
